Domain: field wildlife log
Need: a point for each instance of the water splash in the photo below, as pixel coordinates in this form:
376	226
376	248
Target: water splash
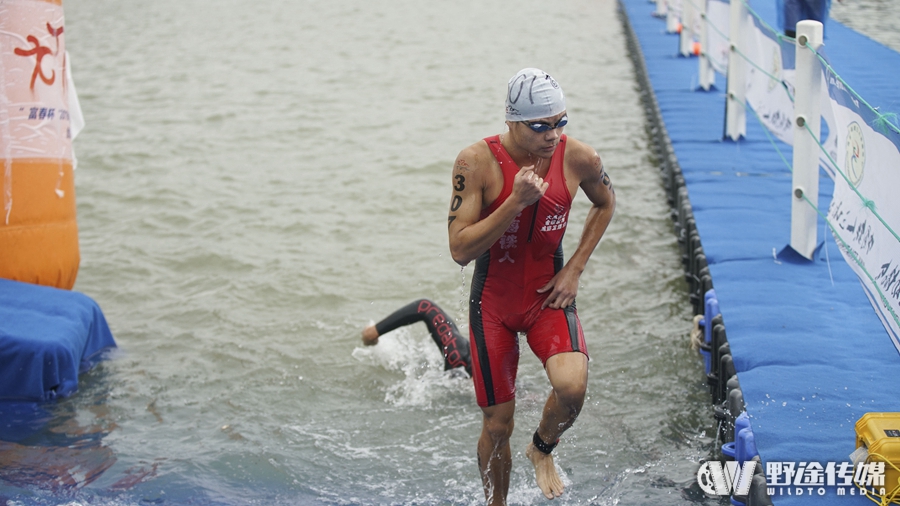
417	358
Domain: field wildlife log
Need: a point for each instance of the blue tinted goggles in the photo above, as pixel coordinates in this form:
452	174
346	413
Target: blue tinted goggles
541	127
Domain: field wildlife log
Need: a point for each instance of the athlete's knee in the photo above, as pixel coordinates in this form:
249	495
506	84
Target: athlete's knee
571	393
568	377
498	424
498	431
575	387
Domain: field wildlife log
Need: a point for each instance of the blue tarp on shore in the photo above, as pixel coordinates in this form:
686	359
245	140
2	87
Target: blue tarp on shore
48	337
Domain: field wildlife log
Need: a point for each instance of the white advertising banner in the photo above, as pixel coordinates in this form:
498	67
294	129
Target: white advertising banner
718	19
868	157
770	78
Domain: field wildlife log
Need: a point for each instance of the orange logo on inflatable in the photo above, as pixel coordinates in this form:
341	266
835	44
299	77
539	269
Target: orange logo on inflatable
40	52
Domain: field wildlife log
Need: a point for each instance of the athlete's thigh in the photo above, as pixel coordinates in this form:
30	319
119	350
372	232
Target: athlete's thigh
495	361
556	331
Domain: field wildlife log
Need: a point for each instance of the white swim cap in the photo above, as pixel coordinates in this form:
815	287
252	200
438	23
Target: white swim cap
533	94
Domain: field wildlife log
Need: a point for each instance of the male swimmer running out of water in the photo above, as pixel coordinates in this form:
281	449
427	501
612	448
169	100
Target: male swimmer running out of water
508	211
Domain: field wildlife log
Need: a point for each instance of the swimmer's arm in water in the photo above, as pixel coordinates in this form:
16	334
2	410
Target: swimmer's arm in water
443	330
407	315
370	335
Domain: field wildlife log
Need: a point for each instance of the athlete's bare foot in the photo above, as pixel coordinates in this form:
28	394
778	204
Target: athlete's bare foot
545	472
370	335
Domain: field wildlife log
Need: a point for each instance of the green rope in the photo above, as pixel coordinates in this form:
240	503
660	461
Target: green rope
710	25
706	19
883	120
769	136
695	6
779	35
834	231
866	202
870	204
716	28
764	71
883	123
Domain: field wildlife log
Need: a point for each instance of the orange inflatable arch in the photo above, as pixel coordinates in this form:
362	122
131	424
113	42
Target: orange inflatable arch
38	229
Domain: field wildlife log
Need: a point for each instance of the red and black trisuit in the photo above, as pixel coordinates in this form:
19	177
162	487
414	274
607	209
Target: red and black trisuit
504	298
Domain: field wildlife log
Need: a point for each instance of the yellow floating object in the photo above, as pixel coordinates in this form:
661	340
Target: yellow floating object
38	229
880	434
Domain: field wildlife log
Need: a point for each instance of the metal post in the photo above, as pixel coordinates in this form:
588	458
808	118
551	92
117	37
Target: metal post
807	112
707	74
735	112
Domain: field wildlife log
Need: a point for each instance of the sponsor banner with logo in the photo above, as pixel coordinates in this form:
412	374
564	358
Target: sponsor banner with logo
868	155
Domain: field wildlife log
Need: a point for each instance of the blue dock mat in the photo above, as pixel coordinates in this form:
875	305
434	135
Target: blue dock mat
811	354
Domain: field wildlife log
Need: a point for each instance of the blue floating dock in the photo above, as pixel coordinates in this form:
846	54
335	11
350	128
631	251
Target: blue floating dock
48	337
810	353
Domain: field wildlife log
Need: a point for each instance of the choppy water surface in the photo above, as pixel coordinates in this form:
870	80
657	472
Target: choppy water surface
260	180
875	18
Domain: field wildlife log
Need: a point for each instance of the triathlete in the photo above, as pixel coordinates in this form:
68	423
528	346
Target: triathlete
454	347
508	211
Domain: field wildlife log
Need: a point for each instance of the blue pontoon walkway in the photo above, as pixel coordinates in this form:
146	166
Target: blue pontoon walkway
810	353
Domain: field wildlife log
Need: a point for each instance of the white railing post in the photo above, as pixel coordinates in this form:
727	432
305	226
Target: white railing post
735	102
660	8
807	111
707	74
686	41
672	18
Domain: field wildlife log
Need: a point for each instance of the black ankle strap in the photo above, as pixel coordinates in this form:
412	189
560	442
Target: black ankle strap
541	445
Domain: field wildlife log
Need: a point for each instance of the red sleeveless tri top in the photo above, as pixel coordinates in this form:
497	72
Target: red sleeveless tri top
528	247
